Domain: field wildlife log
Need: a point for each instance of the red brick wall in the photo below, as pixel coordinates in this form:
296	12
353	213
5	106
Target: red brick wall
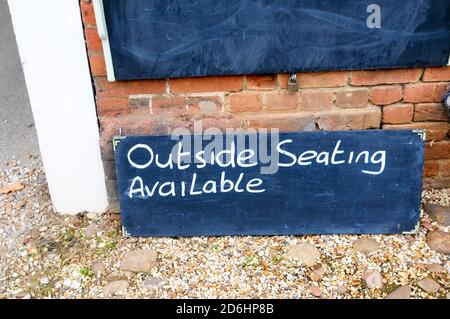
387	99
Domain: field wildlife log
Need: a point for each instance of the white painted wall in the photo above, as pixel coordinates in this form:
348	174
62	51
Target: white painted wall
52	50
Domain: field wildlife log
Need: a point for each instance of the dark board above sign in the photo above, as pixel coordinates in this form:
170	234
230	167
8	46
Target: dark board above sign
178	38
353	182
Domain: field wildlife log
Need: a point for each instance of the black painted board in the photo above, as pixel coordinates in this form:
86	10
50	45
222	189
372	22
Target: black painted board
339	198
183	38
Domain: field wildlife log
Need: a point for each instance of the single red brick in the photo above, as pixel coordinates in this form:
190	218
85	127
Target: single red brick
261	82
444	168
357	119
437	150
316	100
420	92
438	169
435	131
322	79
206	84
436	182
437	74
245	102
430	168
93	41
393	76
140	104
398	113
352	98
98	66
278	101
223	123
111	106
384	95
125	88
441	90
205	105
285	122
283	80
170	105
87	12
134	125
430	112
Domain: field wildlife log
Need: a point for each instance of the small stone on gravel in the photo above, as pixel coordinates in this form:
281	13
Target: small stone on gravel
98	267
403	292
115	276
152	283
439	241
306	253
438	213
426	224
75	284
317	274
366	245
114	217
429	285
13	187
115	287
436	268
141	260
22	203
91	230
315	291
373	279
342	290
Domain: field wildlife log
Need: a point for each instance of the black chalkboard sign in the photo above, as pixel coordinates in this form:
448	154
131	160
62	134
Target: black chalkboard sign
177	38
352	182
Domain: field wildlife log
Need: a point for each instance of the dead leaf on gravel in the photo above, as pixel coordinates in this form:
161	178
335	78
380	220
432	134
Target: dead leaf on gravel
14	187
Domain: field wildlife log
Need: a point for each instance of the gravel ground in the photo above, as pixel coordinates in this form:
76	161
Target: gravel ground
44	255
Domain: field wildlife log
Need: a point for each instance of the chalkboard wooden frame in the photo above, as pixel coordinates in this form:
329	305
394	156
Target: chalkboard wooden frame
388	203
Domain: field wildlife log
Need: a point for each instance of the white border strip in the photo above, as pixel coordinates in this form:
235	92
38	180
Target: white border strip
103	34
53	54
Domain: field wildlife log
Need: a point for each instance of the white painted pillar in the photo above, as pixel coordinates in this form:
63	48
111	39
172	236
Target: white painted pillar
51	45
